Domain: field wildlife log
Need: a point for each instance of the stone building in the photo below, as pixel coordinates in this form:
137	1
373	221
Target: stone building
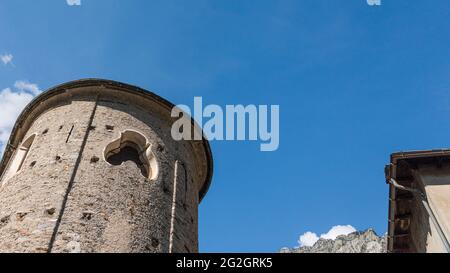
419	201
91	167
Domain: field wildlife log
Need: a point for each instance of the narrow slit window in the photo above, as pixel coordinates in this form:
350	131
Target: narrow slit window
20	157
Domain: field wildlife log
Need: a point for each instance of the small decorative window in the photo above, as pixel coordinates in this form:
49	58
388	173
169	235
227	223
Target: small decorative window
133	146
19	157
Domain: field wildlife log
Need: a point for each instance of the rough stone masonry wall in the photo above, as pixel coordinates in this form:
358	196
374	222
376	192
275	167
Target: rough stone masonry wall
31	199
71	200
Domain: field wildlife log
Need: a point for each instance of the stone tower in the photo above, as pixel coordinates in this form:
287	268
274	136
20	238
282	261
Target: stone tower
91	167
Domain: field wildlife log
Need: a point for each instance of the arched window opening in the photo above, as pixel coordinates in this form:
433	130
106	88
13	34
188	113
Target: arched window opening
20	156
133	146
128	153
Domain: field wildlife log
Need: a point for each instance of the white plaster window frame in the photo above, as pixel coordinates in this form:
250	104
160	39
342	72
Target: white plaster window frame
15	165
139	142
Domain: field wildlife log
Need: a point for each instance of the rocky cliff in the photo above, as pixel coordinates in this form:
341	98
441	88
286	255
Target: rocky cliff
356	242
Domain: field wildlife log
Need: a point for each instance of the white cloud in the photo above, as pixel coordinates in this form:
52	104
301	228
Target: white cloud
336	231
310	238
12	102
24	86
6	58
73	2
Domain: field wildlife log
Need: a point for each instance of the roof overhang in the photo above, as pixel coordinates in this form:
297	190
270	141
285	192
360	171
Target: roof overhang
401	169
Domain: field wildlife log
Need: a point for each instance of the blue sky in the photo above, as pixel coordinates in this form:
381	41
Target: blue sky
354	83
